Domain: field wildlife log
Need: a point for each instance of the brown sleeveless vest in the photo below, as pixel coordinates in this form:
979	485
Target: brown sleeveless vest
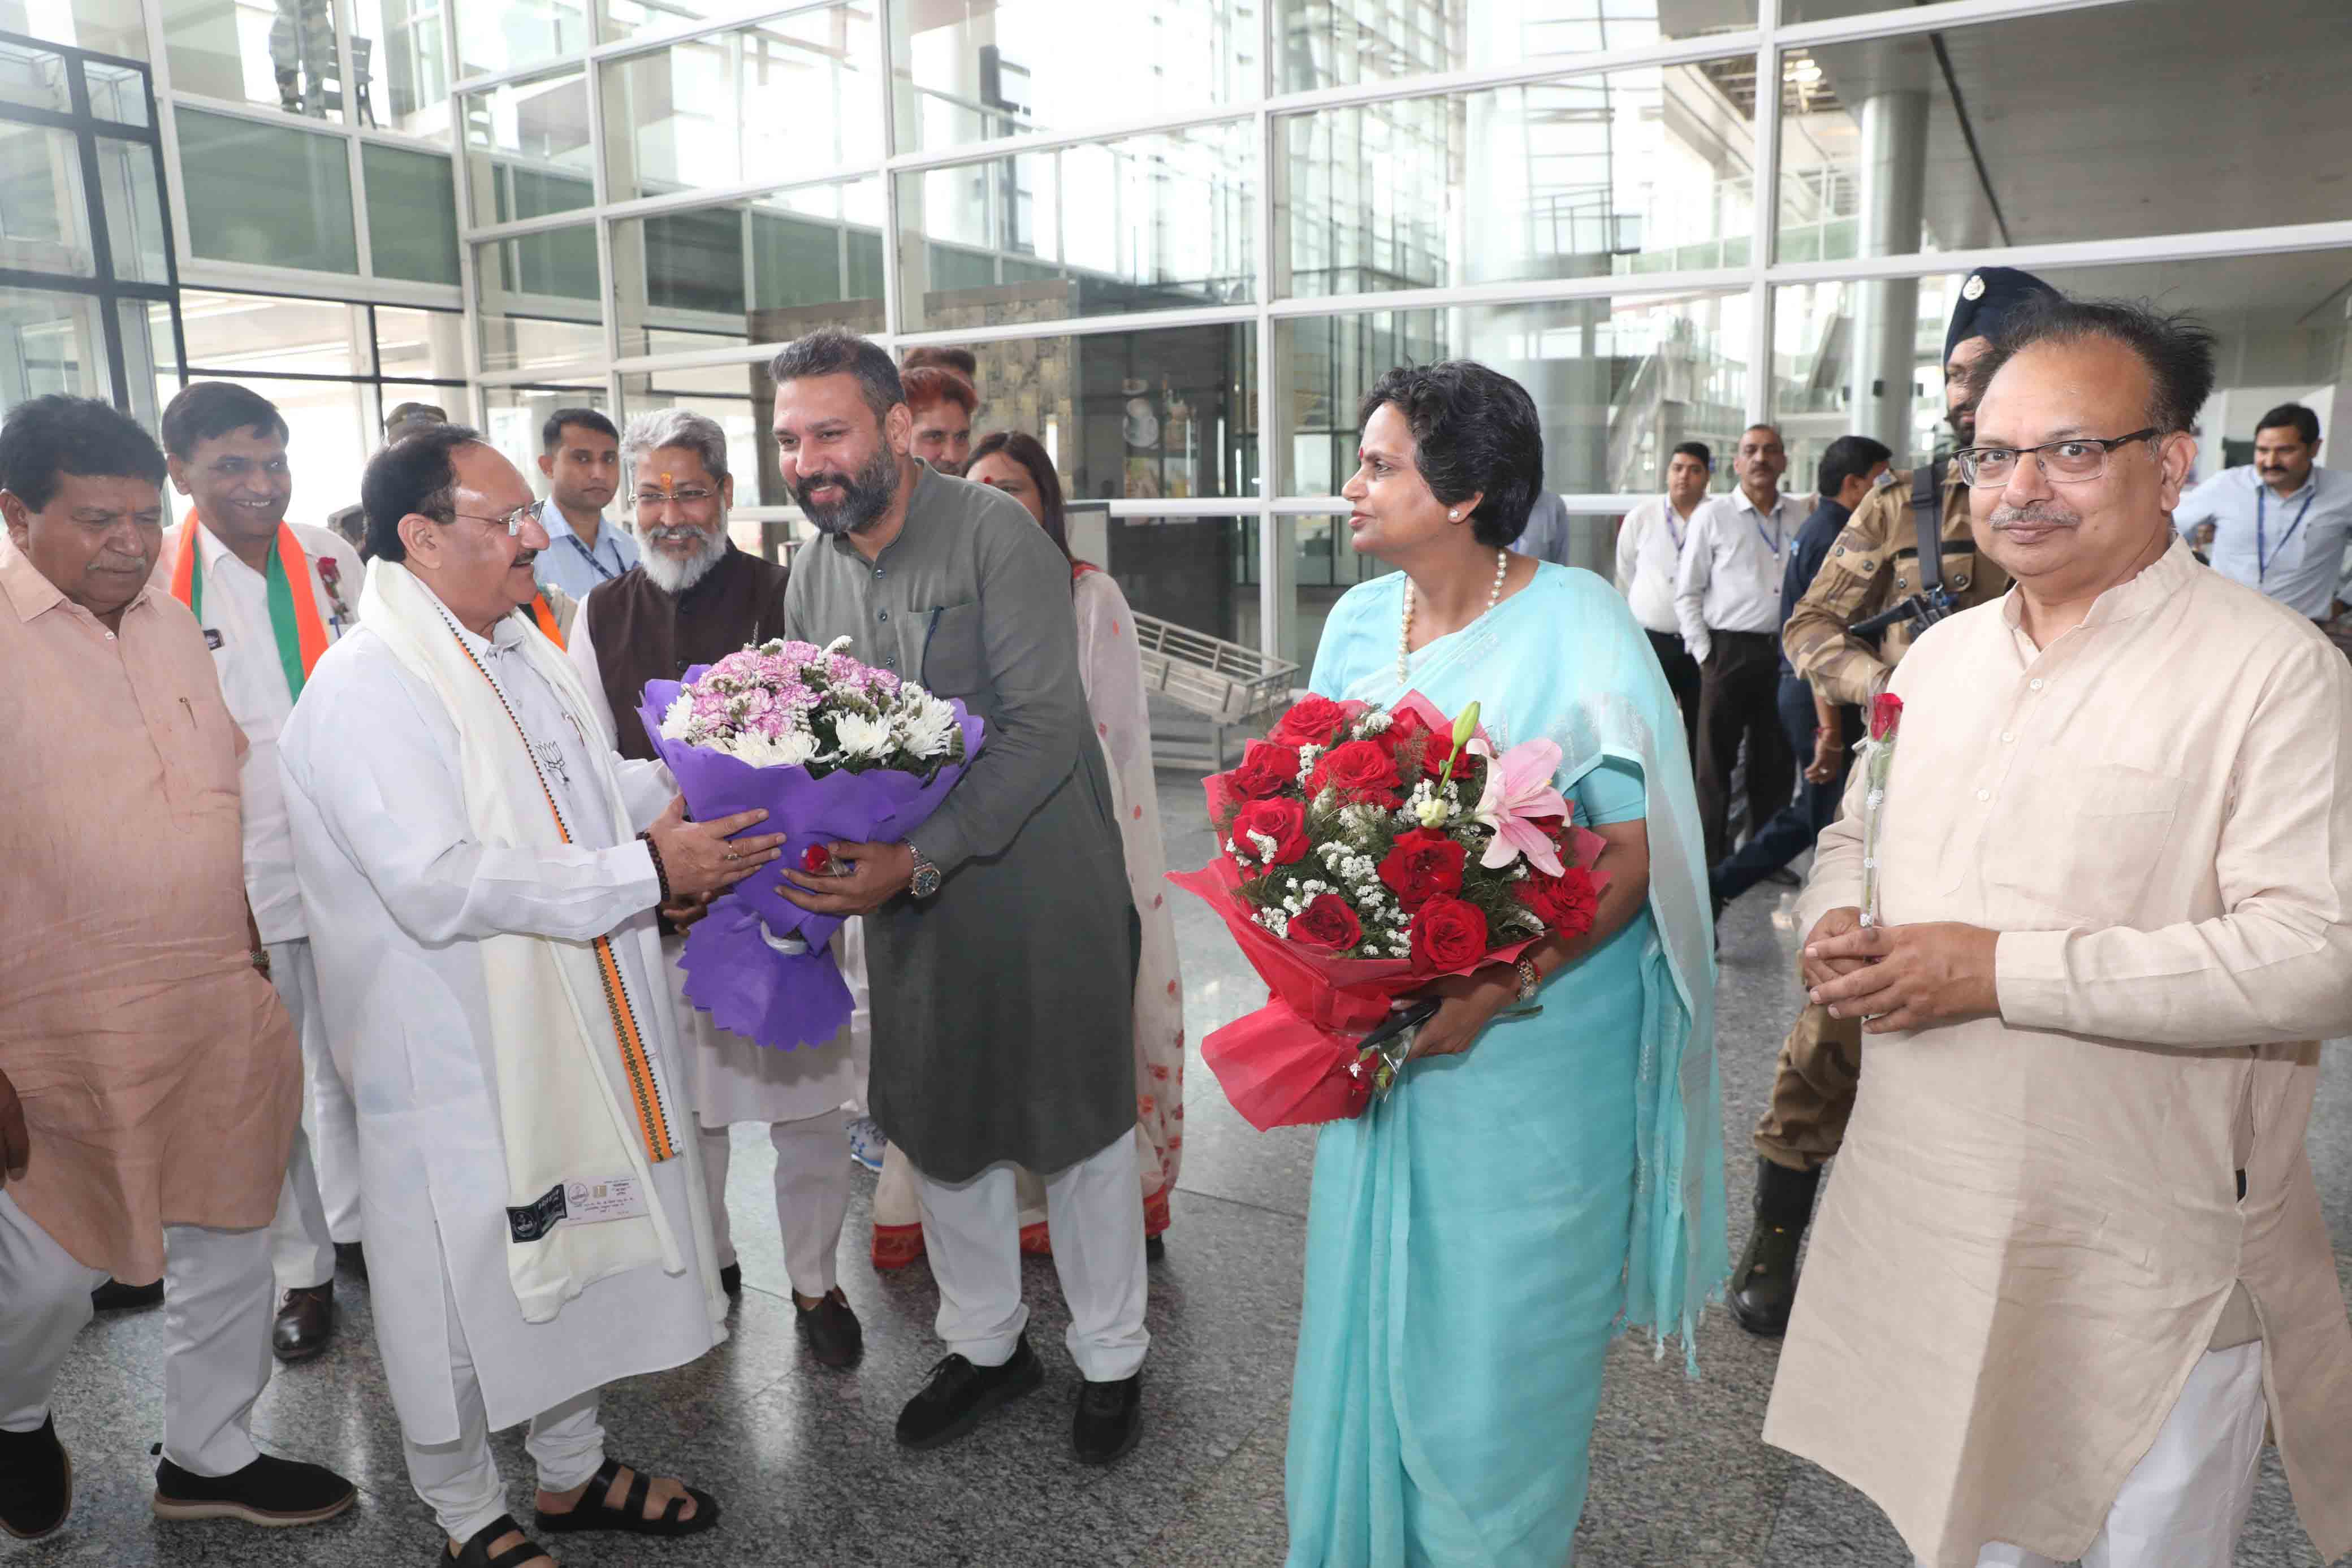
642	633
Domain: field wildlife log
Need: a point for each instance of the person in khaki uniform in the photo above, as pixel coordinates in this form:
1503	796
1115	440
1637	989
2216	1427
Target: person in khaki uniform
1872	568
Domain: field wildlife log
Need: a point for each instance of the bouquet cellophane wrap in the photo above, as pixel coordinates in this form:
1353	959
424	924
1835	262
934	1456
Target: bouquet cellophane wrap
733	971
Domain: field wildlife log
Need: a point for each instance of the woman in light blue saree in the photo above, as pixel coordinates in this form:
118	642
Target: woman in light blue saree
1534	1183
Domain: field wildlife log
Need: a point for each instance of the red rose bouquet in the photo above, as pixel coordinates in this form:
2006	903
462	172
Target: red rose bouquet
1369	853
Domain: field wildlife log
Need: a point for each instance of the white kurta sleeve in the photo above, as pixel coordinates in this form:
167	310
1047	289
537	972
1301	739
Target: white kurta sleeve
384	784
2277	966
582	648
646	788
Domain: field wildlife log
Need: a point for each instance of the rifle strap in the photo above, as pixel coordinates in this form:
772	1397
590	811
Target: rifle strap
1928	513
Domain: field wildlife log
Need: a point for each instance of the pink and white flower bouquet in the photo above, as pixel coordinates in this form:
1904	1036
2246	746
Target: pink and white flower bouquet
832	749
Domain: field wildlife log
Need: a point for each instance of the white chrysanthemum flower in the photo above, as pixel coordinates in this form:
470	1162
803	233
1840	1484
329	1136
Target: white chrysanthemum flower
679	717
793	748
861	736
928	727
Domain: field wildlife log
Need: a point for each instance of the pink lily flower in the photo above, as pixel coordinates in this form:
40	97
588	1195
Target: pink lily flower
1519	791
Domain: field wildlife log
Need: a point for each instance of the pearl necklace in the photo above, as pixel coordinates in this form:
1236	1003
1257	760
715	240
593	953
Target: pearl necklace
1404	633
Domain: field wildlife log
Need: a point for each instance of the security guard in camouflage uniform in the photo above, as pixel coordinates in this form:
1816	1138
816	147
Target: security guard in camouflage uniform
1842	639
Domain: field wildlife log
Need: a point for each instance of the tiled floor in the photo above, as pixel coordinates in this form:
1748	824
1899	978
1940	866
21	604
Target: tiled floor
803	1462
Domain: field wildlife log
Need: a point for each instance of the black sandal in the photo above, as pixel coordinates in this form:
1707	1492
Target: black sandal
477	1552
595	1512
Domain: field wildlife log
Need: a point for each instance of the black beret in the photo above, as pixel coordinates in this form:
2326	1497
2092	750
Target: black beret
1989	294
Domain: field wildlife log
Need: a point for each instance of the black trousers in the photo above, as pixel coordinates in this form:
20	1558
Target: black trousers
1792	829
1681	679
1738	699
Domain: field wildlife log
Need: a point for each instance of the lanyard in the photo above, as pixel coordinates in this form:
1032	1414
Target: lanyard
585	553
1673	532
1773	541
2264	555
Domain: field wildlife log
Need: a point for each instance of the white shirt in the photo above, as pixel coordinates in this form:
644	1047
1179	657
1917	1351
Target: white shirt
1649	560
1732	564
253	682
398	891
2292	550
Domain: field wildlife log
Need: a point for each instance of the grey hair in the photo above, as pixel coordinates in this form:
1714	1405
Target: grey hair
698	433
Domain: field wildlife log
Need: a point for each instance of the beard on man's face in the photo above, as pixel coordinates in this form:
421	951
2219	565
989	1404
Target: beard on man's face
864	496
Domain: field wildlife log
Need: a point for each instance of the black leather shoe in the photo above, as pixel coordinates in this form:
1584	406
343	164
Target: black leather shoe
960	1394
35	1482
114	1296
1109	1420
731	1279
1155	1249
1764	1286
269	1491
351	1255
832	1330
306	1323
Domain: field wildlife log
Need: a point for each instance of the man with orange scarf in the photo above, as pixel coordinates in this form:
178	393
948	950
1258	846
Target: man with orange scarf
270	596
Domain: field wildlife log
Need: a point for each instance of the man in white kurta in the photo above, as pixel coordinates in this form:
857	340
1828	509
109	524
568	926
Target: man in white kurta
226	446
2071	1260
444	711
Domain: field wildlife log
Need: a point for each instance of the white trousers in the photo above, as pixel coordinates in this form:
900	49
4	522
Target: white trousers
2183	1505
812	1196
319	1203
460	1482
849	952
217	1313
972	1229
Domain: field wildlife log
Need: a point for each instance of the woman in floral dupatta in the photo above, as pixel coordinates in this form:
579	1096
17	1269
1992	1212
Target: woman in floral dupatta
1476	1239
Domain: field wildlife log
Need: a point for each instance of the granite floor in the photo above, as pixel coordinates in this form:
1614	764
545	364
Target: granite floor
803	1460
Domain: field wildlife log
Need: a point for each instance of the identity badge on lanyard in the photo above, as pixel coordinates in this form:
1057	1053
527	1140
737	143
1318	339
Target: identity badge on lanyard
2263	554
1772	540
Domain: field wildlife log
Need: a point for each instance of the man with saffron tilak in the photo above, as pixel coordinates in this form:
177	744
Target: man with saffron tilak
484	926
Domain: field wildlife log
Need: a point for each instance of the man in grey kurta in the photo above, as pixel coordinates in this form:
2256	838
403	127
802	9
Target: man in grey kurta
1000	939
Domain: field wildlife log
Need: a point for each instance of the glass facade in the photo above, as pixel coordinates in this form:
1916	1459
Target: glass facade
1181	237
86	249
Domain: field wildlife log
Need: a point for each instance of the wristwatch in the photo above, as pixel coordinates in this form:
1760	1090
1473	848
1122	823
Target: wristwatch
926	876
1529	981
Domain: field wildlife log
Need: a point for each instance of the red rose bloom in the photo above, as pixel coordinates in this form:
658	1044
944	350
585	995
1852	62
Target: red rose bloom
1267	769
1360	770
1283	822
1327	922
1425	865
1314	721
1565	902
1406	726
814	858
1447	935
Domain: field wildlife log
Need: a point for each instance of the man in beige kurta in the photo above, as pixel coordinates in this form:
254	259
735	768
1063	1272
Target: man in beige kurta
156	1071
2072	1258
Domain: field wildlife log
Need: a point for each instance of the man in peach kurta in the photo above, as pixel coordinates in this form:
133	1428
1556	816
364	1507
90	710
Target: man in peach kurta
2072	1261
147	1072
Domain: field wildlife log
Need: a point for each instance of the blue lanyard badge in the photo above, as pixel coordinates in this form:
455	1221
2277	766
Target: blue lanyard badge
1773	541
2263	554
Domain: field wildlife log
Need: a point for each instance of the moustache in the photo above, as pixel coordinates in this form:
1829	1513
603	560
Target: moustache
675	533
2037	514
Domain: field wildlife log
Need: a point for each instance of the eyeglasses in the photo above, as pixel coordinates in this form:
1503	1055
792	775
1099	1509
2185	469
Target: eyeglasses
654	501
2062	462
512	522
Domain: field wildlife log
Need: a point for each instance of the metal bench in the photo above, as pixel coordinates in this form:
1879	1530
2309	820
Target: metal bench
1223	683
